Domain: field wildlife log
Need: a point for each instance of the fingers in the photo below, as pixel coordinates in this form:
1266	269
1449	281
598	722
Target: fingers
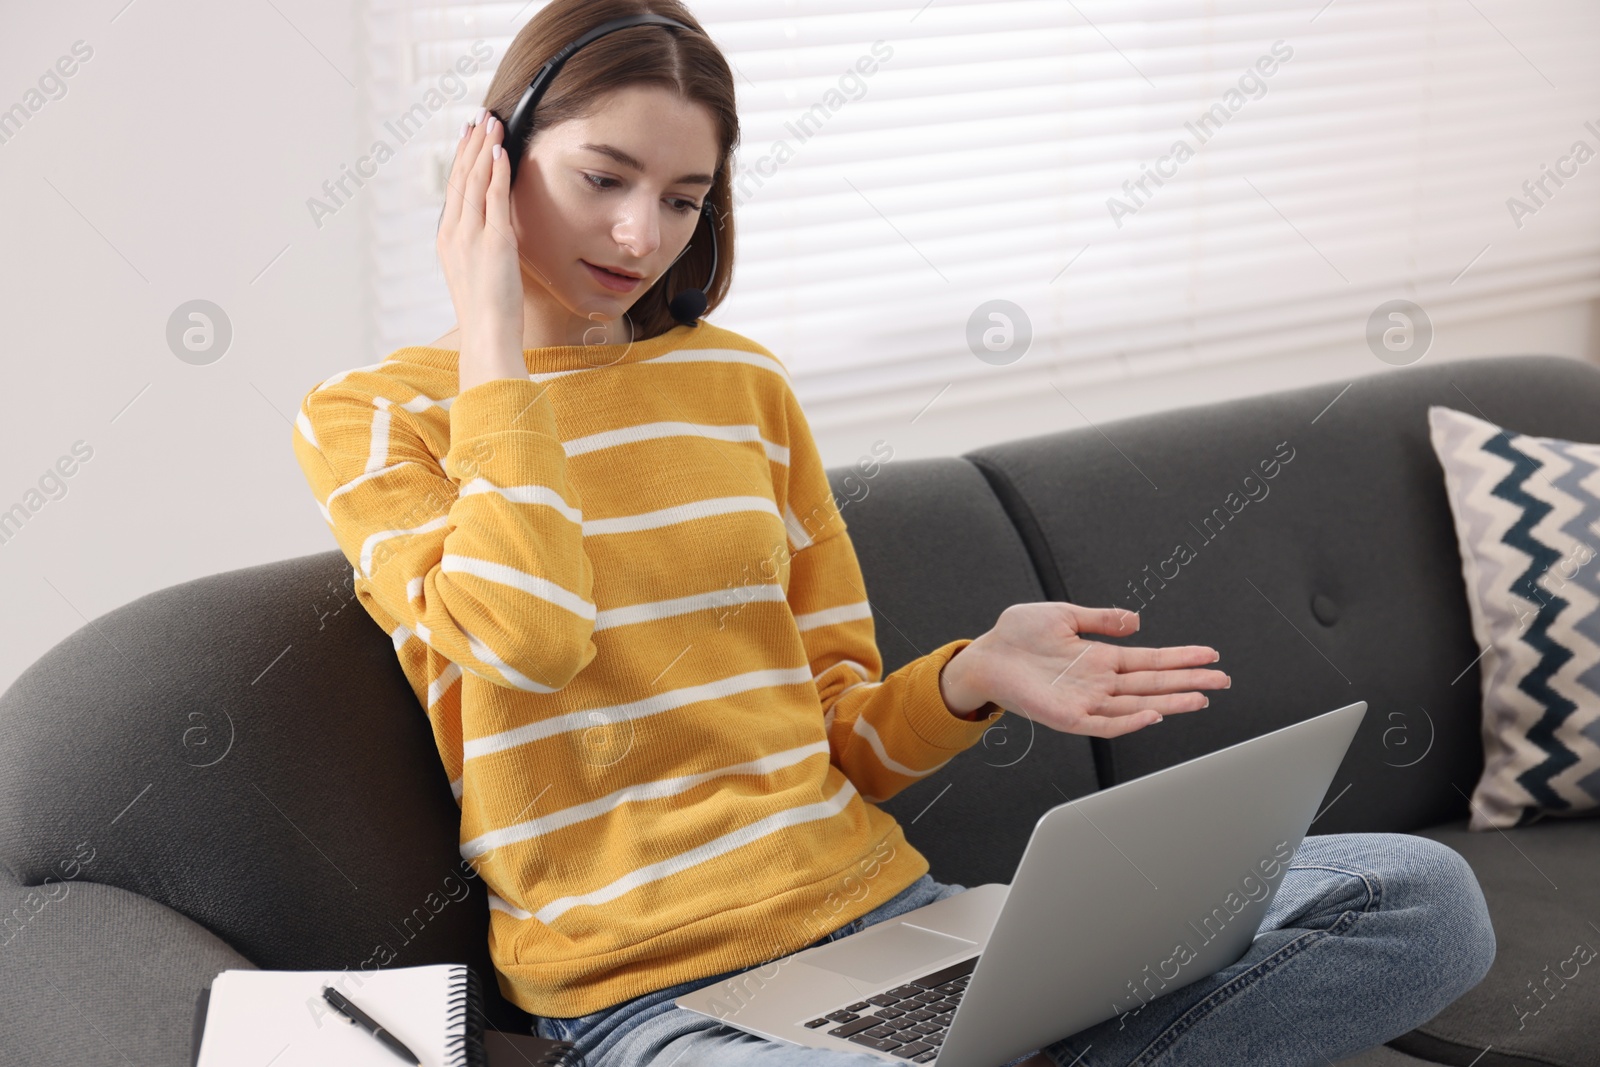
1112	622
1169	681
1121	707
497	213
1116	725
1119	622
1170	657
467	150
1120	715
476	187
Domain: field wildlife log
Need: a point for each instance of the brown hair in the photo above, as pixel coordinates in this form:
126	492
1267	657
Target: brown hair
688	64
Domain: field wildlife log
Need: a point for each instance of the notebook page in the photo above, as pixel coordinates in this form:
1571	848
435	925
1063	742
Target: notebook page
256	1018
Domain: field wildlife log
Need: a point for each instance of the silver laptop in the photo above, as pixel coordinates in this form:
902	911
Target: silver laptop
1121	896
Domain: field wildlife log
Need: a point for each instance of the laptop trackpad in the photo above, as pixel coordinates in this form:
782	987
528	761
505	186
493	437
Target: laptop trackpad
880	953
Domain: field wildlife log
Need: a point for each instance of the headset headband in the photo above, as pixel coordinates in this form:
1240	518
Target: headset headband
520	125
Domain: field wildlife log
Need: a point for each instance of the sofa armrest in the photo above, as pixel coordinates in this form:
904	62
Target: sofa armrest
91	975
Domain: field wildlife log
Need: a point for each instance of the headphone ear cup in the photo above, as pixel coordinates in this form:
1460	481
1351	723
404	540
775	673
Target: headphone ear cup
515	143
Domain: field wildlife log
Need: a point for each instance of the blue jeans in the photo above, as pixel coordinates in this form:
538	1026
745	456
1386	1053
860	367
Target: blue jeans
1368	937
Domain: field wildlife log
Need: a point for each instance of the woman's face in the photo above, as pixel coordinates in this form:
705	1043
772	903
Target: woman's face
620	189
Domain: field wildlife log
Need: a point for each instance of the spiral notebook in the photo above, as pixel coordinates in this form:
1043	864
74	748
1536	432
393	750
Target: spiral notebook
280	1017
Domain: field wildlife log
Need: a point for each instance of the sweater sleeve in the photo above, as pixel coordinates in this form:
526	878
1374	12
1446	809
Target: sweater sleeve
883	733
481	557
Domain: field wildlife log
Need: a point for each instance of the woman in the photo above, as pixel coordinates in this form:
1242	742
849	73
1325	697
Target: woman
605	547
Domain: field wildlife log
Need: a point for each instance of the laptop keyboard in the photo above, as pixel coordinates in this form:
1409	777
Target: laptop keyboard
908	1021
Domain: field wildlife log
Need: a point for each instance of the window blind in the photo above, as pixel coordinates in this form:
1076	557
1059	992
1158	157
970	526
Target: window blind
1154	183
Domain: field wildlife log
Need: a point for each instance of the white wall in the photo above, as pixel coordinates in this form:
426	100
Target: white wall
177	166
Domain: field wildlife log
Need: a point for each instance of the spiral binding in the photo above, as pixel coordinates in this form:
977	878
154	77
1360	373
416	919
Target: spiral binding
464	1047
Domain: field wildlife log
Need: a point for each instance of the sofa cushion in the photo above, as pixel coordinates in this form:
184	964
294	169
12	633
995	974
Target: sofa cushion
1525	512
1336	579
1539	1002
96	976
941	561
245	750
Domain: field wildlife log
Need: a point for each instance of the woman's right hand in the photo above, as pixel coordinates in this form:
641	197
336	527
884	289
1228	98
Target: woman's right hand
478	253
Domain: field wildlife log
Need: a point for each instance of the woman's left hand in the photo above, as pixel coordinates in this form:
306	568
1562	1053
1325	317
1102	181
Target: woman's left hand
1034	662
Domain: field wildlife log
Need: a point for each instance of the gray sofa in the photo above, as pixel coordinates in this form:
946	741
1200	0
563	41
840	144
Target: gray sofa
233	772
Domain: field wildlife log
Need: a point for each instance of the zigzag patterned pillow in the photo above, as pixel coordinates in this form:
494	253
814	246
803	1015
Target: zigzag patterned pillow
1527	518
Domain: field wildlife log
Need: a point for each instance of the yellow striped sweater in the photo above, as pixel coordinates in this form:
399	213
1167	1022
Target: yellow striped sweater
623	592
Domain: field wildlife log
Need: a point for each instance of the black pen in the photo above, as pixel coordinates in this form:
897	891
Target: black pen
342	1005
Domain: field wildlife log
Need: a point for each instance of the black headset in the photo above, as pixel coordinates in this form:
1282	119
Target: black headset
690	304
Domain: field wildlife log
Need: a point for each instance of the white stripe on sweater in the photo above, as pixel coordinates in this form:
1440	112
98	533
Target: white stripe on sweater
854	666
861	609
499	903
649	431
833	705
799	536
484	654
656	790
441	685
422	402
654	704
682	355
500	573
717	846
378	448
373	540
720	355
698	509
654	610
365	477
864	730
524	494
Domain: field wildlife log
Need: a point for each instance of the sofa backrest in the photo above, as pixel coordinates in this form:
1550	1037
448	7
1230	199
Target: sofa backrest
1336	579
941	561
